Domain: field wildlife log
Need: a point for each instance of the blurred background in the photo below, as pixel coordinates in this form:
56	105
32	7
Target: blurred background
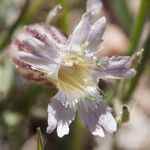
23	104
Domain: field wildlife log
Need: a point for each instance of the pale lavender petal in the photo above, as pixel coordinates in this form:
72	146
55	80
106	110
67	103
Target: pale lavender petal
56	36
95	37
41	31
99	131
108	122
32	59
36	49
38	73
90	112
93	6
34	39
114	62
80	33
38	63
120	73
97	116
60	117
52	121
67	98
62	129
115	68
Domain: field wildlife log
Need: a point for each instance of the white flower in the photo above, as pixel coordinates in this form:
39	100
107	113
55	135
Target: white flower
43	54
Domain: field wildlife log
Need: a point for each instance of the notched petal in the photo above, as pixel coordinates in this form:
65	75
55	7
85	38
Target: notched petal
99	132
34	39
90	112
31	59
115	61
52	121
36	53
80	33
108	122
115	68
62	129
95	36
60	116
41	31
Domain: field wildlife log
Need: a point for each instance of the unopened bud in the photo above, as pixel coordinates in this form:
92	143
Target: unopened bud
94	6
136	58
53	13
125	115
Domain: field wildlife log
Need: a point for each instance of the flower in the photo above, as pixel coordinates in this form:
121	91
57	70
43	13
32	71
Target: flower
72	66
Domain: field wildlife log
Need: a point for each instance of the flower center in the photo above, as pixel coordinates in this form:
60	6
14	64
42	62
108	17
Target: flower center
73	74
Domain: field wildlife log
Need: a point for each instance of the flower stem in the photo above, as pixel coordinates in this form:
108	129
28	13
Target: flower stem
138	26
140	69
135	38
77	140
114	141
